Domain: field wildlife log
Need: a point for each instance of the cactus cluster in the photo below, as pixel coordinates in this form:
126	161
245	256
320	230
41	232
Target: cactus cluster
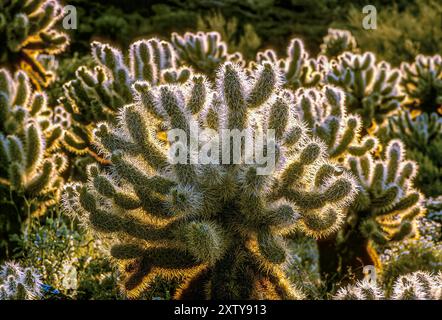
418	285
372	89
422	82
30	165
17	283
422	137
299	70
96	95
386	206
220	226
204	51
337	42
27	30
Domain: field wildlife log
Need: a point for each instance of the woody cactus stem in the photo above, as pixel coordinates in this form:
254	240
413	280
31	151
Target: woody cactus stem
26	32
221	226
29	167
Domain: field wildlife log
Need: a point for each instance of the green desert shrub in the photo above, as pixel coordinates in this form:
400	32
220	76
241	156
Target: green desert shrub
70	261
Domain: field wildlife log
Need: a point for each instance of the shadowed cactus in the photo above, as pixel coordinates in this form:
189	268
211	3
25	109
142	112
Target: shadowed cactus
96	95
204	51
418	285
29	169
422	82
422	137
337	42
297	68
27	31
220	226
372	88
384	209
17	283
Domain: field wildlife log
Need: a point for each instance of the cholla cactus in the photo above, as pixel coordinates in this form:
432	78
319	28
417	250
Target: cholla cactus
337	42
298	69
29	169
418	286
17	283
422	137
385	207
220	226
27	31
204	51
414	286
362	290
96	95
422	81
325	115
372	89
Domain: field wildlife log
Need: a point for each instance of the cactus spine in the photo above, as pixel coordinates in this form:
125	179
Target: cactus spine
26	32
337	42
220	226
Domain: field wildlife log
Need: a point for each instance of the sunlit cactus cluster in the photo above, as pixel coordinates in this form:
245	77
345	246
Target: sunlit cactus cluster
220	226
17	283
27	30
422	137
204	51
418	285
298	69
372	88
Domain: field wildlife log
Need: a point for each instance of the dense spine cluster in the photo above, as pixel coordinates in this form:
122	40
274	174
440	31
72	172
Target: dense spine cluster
27	30
418	285
372	88
17	283
30	167
204	51
220	226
